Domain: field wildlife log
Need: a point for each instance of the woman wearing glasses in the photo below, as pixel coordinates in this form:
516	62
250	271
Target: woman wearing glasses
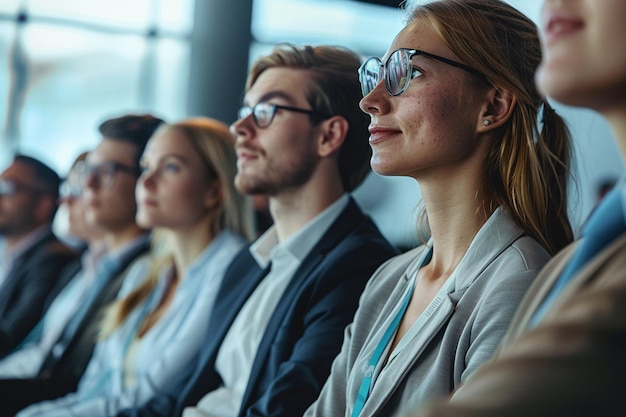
151	335
453	105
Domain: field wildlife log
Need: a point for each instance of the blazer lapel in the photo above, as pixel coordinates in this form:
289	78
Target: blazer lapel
347	221
477	258
238	283
401	364
18	269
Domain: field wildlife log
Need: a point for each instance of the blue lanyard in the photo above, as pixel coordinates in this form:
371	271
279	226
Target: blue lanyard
366	383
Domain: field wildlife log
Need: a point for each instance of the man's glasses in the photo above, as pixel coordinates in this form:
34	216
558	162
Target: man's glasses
104	174
263	113
398	70
10	187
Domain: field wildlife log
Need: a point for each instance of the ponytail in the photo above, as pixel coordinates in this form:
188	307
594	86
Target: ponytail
533	176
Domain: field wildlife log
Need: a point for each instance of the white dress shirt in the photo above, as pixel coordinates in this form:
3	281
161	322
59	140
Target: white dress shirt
238	350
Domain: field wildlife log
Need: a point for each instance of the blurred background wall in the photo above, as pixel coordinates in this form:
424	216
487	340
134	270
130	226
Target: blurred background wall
66	65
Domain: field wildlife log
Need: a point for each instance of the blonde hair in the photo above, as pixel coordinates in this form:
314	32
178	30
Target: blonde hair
215	145
528	168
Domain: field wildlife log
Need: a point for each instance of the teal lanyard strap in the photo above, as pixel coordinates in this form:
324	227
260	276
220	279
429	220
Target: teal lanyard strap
366	383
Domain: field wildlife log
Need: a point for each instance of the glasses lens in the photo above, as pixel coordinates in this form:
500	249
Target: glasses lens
398	72
106	174
370	74
244	112
70	189
263	114
7	187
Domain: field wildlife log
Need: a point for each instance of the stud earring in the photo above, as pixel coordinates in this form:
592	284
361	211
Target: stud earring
486	122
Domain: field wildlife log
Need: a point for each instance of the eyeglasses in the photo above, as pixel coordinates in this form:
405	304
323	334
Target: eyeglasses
70	189
398	70
263	113
105	173
10	187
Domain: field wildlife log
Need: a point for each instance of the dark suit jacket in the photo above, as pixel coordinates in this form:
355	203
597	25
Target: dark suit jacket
60	373
305	331
27	289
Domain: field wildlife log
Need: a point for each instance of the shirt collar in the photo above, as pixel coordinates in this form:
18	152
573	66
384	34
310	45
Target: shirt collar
27	242
300	243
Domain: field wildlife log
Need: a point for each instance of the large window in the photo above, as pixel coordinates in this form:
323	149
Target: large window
67	65
72	64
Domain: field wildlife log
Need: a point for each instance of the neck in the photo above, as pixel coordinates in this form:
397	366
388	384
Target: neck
453	223
291	210
119	238
188	245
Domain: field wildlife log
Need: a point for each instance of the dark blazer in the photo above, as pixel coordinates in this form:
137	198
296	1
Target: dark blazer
305	331
66	361
27	288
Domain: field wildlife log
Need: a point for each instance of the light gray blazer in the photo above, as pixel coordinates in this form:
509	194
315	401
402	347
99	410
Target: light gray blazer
491	280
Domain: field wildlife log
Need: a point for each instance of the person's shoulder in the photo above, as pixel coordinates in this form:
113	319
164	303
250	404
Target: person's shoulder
367	233
525	254
406	263
52	248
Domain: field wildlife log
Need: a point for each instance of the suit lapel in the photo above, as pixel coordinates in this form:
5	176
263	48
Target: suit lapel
477	258
406	359
238	284
347	221
240	280
14	276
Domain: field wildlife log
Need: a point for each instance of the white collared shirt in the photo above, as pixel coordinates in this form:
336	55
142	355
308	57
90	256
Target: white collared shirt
238	350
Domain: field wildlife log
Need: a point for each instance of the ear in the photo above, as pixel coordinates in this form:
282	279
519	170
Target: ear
333	133
213	195
497	109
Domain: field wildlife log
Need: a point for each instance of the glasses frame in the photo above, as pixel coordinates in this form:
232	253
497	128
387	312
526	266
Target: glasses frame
95	171
70	189
10	187
246	111
409	69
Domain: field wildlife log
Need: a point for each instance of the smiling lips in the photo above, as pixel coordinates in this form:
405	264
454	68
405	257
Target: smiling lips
559	24
380	134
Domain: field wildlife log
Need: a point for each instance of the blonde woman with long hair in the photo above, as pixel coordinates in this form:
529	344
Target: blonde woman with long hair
151	336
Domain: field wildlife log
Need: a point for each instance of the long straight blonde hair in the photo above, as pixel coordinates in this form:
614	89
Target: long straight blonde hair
215	145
